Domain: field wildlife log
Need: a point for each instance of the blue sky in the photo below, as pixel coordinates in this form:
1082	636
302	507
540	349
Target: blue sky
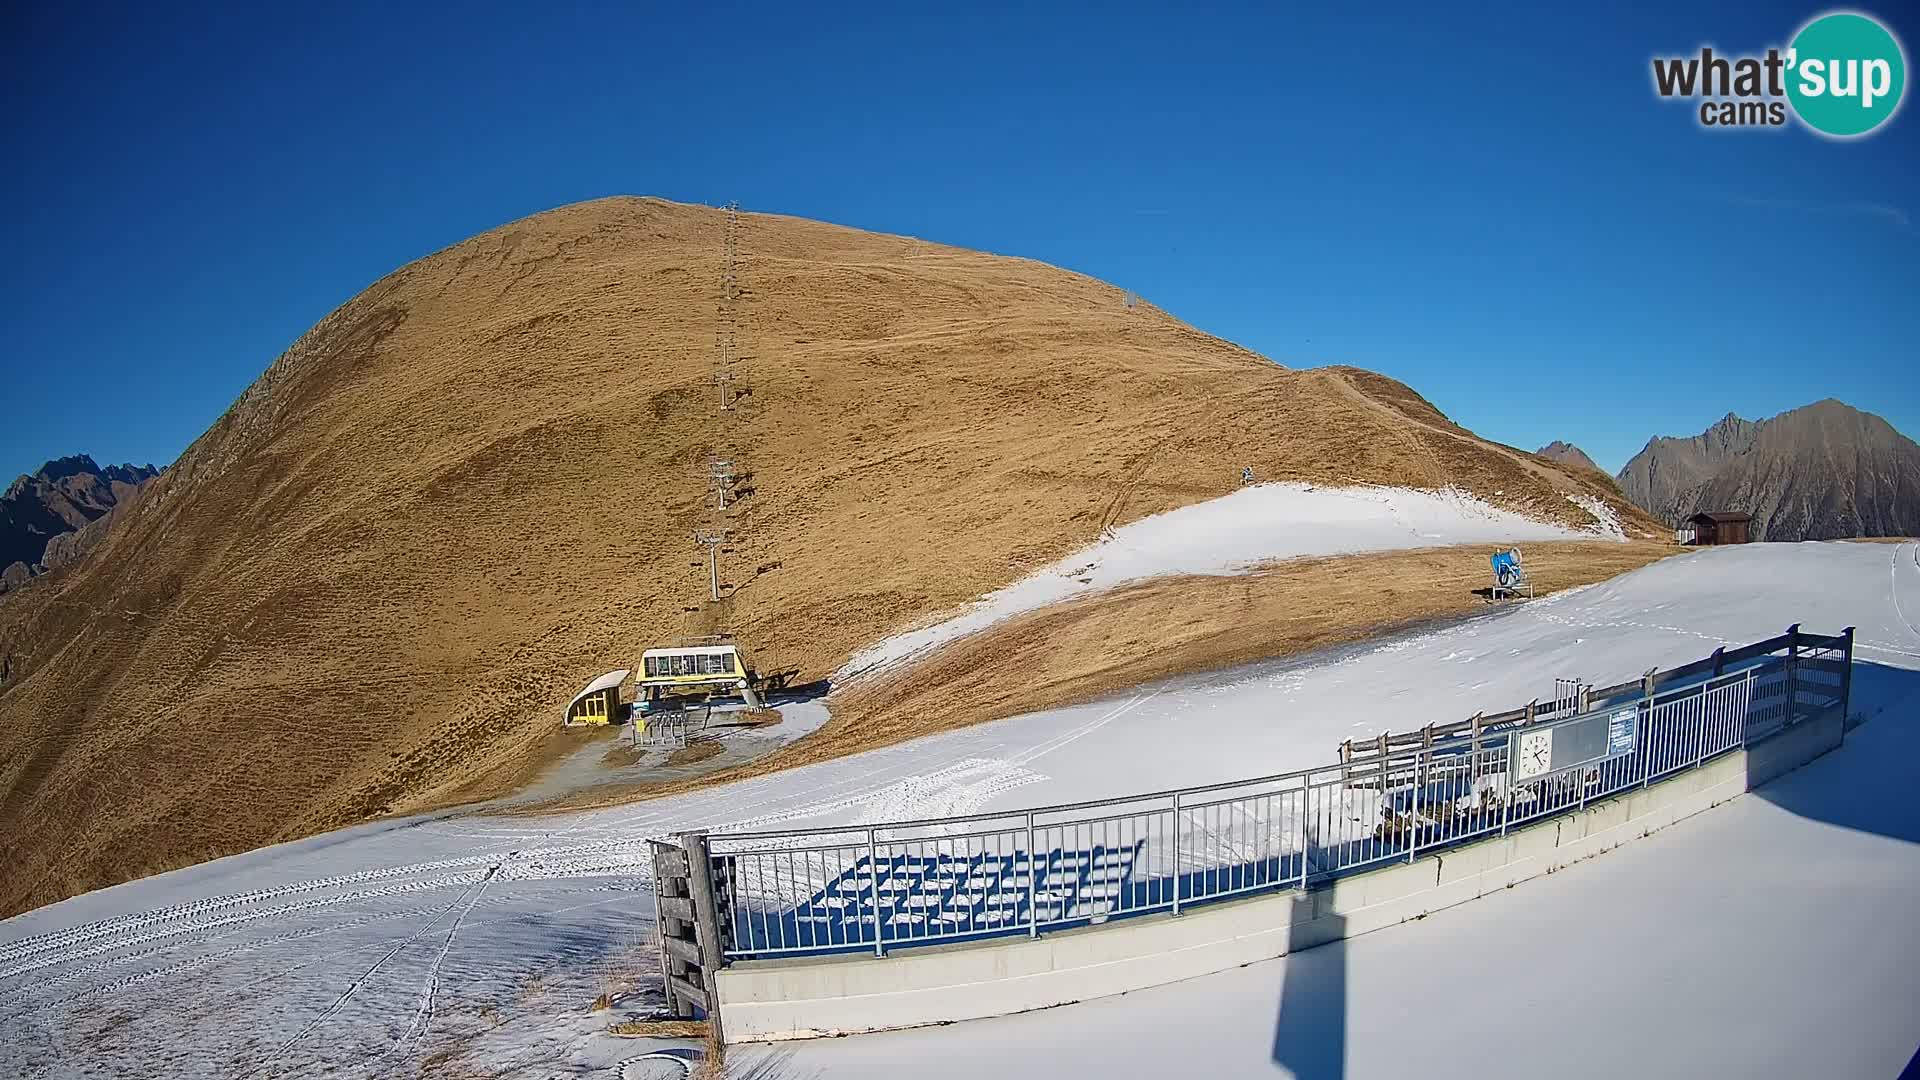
1495	208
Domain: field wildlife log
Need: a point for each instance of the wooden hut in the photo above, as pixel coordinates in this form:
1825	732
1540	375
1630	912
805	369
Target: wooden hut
1716	527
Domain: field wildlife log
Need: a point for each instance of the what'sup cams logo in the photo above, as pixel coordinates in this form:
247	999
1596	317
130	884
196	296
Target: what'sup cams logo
1844	75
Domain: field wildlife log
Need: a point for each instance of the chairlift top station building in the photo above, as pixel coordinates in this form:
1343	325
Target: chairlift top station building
698	671
669	678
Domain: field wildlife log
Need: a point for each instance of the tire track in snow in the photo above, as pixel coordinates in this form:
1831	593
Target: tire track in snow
102	947
210	959
1893	584
616	857
423	1015
341	1001
139	920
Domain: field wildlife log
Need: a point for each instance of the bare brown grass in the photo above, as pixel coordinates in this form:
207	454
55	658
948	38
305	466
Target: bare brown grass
1113	641
660	1029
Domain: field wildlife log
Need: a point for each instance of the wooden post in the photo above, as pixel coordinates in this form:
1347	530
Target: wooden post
1383	762
706	924
679	949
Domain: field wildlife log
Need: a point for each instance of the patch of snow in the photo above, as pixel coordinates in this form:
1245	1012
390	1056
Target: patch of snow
1606	519
1253	526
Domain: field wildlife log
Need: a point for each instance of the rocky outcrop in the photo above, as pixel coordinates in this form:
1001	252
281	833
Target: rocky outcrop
42	510
1821	472
1565	453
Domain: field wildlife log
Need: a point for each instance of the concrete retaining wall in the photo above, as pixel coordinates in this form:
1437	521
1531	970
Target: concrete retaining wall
814	996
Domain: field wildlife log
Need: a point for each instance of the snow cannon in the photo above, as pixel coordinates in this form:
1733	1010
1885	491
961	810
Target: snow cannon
1509	575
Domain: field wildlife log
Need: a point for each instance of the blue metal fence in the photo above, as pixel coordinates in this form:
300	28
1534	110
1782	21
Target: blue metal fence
882	887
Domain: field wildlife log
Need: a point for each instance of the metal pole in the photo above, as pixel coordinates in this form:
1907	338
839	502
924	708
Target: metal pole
1506	804
1176	853
1473	775
1703	724
873	878
1033	883
1413	817
1793	673
1846	682
1644	738
1306	836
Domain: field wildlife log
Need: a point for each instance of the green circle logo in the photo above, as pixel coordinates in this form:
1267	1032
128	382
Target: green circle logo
1846	74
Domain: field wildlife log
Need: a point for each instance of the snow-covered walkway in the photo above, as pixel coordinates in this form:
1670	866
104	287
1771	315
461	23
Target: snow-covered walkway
483	939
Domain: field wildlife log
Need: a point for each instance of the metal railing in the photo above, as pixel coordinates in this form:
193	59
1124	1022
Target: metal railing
902	884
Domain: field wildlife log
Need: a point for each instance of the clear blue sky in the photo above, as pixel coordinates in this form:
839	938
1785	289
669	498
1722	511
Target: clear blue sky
1495	209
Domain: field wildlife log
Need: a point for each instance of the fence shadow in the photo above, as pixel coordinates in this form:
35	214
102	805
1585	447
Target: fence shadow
1872	792
1310	1032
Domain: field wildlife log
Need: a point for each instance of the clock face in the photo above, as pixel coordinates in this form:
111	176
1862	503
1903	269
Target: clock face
1535	754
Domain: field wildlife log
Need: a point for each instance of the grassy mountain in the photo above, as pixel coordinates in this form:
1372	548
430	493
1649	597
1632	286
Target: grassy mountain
371	585
1819	472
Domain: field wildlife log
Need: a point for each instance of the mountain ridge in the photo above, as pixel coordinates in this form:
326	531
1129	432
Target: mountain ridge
1565	453
1823	471
64	496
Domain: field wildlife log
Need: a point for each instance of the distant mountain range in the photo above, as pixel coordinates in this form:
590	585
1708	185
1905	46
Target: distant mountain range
1821	472
1566	453
42	513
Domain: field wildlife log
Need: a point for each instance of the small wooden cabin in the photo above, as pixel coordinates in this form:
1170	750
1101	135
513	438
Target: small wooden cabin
599	703
1712	528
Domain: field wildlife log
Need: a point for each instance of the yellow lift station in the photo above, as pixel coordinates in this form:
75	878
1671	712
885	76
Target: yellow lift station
599	703
695	675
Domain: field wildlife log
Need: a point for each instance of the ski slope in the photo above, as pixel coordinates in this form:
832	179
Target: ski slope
481	940
1248	528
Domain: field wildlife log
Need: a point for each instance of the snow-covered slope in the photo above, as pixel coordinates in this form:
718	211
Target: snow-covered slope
483	939
1237	532
1770	937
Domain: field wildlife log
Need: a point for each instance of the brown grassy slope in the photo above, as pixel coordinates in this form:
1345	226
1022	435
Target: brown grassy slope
373	581
1102	644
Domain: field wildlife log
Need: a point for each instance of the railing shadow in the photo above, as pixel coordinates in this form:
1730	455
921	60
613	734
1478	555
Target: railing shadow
1310	1032
1873	793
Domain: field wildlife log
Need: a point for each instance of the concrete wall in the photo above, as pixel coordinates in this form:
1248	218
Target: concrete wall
814	996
